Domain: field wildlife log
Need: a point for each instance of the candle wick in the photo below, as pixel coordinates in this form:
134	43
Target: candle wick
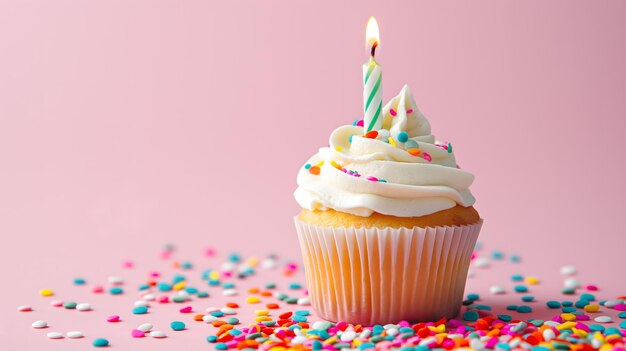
373	52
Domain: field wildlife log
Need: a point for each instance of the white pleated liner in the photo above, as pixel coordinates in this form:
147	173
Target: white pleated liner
377	276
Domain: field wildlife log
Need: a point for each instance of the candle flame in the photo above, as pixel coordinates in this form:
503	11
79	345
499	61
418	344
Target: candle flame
372	36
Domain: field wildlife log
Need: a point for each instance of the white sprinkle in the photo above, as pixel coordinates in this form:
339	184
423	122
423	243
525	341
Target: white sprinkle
298	340
183	293
482	262
572	283
74	334
612	303
158	334
497	290
142	303
211	309
568	270
228	310
268	263
552	323
56	303
146	327
209	318
39	324
243	268
350	335
548	334
304	301
515	343
476	344
149	297
428	340
24	308
596	343
228	266
84	306
229	292
365	333
392	331
603	319
470	273
54	335
115	280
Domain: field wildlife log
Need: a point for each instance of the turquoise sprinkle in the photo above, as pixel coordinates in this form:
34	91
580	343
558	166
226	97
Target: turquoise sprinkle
483	307
515	258
411	144
228	285
612	331
143	287
295	286
214	282
568	291
202	294
503	346
473	297
537	322
520	288
512	307
377	329
221	346
422	348
528	298
291	300
588	297
365	346
79	281
553	304
191	290
540	348
596	327
269	323
140	310
281	296
622	325
349	140
179	299
211	338
317	345
470	316
581	303
505	317
232	320
163	286
568	309
622	315
302	313
524	309
254	335
517	277
101	342
497	255
217	314
235	332
234	257
567	303
116	290
178	278
270	286
177	325
403	137
186	265
299	319
70	305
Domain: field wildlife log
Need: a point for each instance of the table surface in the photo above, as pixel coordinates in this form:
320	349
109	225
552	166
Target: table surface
25	281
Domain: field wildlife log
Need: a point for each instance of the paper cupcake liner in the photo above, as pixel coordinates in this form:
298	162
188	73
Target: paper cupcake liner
378	276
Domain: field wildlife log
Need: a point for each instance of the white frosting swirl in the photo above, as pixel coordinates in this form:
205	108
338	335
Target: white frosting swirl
361	175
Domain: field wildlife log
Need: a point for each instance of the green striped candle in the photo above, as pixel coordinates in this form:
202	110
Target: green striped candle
372	82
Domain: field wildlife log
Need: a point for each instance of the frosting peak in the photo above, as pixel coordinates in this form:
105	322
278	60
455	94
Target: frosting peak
399	170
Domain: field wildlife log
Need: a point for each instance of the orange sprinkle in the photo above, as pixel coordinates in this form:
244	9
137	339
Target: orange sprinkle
372	134
255	290
266	293
218	323
198	317
232	305
314	170
272	306
414	152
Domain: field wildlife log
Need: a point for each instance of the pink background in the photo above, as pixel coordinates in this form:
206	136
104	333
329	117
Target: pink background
127	125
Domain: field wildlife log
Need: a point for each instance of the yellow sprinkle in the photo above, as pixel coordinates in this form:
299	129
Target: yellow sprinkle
253	299
46	292
214	276
606	347
356	342
591	308
598	336
546	344
568	316
611	337
438	329
392	142
339	148
263	319
579	332
252	261
532	280
330	341
566	325
336	165
180	285
320	164
262	312
278	348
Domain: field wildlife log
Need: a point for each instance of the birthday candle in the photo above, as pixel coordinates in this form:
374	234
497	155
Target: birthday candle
372	81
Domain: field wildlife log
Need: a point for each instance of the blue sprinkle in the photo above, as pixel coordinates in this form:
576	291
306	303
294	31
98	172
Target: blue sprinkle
540	348
79	281
203	294
515	258
567	303
537	322
473	297
512	307
596	327
228	285
622	325
483	307
101	342
470	316
622	315
528	298
221	346
177	325
505	317
302	313
270	286
377	329
588	297
235	332
144	287
211	338
517	277
234	257
217	314
497	255
186	265
178	278
308	165
403	137
553	304
116	290
503	346
214	282
612	331
295	286
191	290
524	309
299	319
349	139
581	303
520	288
140	310
568	309
163	286
317	345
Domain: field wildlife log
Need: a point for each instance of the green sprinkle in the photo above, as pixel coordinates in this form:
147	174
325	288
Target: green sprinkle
101	342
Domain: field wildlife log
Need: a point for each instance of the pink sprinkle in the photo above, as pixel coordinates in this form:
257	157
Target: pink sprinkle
620	307
592	288
155	274
56	303
166	255
209	251
393	112
227	274
232	344
582	317
359	123
114	318
163	299
404	324
292	266
427	156
136	333
409	111
97	289
583	326
128	264
186	309
373	179
24	309
490	344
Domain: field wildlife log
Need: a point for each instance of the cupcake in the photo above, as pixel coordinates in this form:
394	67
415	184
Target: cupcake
387	226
